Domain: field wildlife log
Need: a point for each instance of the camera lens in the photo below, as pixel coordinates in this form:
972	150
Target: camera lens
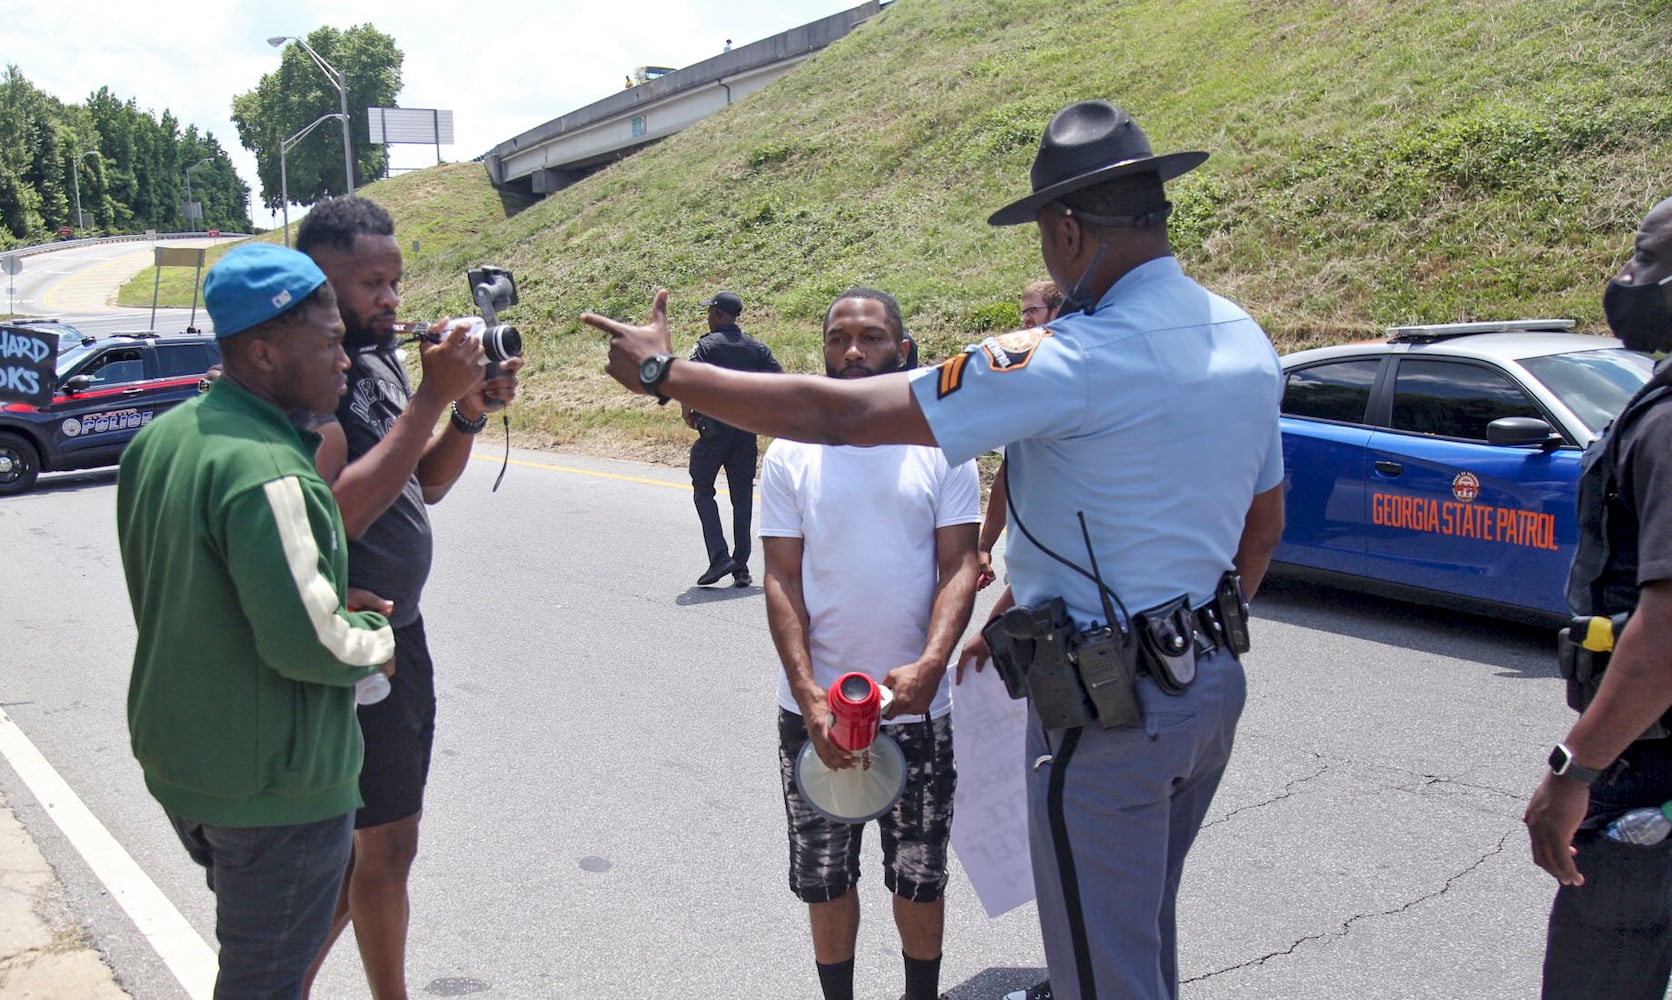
501	343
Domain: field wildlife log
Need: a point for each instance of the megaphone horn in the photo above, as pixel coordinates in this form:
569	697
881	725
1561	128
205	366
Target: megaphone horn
865	791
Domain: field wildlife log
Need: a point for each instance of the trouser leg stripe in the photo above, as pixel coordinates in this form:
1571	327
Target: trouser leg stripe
1065	864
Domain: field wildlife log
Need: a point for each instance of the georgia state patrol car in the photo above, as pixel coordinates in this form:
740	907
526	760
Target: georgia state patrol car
1441	465
108	388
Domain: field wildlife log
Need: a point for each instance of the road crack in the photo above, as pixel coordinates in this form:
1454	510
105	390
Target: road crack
1286	791
1348	924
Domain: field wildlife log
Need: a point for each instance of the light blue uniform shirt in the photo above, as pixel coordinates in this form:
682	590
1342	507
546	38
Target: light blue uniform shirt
1155	415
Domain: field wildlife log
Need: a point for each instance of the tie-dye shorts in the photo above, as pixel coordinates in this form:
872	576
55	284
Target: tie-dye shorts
824	855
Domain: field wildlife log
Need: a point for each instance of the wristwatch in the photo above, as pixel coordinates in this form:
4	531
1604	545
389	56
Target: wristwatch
652	372
1563	765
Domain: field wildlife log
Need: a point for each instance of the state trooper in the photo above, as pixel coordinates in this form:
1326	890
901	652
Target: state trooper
1146	470
1610	931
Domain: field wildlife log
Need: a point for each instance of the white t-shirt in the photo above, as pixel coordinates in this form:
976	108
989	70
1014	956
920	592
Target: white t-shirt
867	519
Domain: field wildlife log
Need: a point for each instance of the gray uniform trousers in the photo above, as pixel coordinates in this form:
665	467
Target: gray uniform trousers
1111	818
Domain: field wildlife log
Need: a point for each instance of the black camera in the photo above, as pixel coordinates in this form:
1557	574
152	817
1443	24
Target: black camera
493	289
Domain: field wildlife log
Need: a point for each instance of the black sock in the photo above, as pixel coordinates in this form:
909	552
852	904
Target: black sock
836	979
922	977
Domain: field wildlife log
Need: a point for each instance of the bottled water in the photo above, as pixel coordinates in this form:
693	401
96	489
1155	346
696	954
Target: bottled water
1645	827
373	688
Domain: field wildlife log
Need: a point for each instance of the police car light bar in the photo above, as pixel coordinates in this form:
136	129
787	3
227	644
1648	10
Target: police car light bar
1441	331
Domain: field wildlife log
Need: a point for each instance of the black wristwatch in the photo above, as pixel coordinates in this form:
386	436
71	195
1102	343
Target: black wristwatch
652	372
1563	765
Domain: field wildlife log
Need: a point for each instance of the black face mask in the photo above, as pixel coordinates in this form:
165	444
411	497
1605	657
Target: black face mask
1638	315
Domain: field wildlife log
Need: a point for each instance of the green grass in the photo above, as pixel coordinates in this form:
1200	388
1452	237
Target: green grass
439	209
1373	163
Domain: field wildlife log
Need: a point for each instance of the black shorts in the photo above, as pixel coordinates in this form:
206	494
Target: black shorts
399	732
824	855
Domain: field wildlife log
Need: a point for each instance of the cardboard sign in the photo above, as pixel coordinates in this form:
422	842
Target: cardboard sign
989	808
28	365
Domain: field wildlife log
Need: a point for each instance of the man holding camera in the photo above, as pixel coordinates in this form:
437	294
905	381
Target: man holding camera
1145	463
385	460
722	446
870	566
241	703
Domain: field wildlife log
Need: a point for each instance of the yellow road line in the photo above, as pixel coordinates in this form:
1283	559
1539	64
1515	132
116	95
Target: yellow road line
482	456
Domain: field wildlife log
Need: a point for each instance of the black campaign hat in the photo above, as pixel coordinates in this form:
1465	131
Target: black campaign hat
1088	143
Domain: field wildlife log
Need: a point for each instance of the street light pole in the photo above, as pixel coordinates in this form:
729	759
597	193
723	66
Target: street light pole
75	177
199	163
284	181
338	80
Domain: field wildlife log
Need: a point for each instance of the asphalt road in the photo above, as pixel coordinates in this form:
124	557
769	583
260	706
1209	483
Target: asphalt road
604	820
78	285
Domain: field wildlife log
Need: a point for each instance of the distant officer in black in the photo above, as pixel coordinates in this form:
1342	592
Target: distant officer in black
722	446
1611	926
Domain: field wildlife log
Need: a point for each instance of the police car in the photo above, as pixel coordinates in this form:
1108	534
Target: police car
1441	464
107	389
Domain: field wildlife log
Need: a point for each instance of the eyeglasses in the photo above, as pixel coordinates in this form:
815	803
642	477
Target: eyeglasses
1031	310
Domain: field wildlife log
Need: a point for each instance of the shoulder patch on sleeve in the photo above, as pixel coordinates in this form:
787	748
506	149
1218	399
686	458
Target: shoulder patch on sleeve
1011	352
951	375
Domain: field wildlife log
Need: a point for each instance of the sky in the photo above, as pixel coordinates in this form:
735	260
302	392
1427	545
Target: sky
501	68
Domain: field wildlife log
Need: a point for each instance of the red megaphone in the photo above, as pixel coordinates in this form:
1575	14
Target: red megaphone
867	790
856	707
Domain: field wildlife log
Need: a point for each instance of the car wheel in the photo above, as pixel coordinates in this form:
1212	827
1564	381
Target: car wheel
19	464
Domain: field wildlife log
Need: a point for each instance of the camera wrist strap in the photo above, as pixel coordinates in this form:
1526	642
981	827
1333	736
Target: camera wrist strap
505	463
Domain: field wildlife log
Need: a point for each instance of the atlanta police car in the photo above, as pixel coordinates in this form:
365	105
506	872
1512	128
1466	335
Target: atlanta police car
1441	464
108	388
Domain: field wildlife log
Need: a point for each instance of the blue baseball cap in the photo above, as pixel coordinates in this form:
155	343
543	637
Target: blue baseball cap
255	283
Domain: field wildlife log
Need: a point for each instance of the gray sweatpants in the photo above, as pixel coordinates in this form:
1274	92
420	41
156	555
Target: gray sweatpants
1111	818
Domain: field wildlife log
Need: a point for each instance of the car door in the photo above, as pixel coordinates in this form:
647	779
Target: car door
93	422
1451	512
1324	463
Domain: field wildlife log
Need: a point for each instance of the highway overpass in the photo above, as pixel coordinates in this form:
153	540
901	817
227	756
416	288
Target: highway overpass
564	150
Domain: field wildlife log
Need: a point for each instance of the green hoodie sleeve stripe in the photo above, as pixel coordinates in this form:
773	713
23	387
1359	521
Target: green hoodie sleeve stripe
356	647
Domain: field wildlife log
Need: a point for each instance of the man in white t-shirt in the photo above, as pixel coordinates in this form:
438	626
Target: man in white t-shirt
870	566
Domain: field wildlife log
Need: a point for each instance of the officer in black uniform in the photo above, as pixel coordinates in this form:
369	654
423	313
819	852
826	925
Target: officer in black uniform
722	446
1610	929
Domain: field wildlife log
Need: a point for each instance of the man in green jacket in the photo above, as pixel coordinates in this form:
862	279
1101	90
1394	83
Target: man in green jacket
241	703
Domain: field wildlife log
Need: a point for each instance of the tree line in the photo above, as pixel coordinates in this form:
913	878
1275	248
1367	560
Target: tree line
131	168
286	108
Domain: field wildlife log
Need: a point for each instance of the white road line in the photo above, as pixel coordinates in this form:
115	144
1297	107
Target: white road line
176	942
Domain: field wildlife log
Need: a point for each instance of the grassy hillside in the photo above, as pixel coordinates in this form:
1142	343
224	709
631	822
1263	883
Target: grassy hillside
1373	163
439	209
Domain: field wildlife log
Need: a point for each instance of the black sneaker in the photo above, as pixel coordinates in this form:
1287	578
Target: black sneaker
742	578
1038	991
716	570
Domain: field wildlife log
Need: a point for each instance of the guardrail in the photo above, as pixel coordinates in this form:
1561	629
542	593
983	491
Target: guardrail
88	241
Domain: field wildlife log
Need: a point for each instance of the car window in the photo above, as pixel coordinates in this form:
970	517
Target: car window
72	354
1454	399
1338	390
117	366
1595	385
185	359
